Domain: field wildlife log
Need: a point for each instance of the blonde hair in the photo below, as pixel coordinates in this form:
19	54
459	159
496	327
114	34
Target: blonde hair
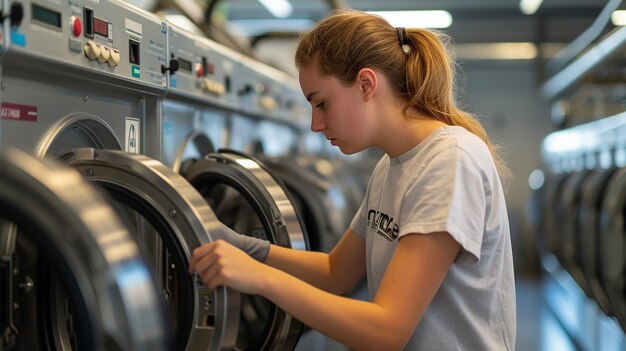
348	40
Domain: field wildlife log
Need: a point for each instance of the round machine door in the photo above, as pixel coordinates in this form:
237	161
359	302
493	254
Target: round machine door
71	276
75	131
308	191
233	183
195	146
346	192
612	244
552	214
169	219
593	191
568	253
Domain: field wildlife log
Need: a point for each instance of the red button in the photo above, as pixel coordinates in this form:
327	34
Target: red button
199	70
77	27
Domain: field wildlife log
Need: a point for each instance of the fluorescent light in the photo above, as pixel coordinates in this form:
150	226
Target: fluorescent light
619	18
416	19
528	7
278	8
254	27
495	51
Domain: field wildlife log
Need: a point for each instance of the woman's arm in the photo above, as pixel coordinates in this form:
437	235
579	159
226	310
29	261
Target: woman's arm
413	276
335	272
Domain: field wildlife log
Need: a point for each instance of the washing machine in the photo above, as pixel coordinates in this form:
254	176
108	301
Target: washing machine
91	75
71	275
204	96
273	116
81	72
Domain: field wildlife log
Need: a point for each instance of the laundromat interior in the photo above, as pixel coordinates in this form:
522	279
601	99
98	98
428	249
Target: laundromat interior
132	130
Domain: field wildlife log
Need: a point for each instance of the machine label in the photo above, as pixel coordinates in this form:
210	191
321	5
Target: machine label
133	28
19	112
135	71
133	135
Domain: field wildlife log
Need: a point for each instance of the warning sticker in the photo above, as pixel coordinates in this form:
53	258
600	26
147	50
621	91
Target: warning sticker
19	112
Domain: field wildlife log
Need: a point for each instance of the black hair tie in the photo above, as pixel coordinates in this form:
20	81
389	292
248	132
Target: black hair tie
402	35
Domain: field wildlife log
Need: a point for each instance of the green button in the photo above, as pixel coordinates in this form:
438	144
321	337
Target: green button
135	71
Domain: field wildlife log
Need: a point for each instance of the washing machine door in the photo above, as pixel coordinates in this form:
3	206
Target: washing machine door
194	146
234	183
345	194
308	191
75	131
569	248
71	277
169	219
551	216
593	192
612	244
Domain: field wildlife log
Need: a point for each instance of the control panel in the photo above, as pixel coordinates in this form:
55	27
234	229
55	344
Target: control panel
212	74
104	38
200	69
267	91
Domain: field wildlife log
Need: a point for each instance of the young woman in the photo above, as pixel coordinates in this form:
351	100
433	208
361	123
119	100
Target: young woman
432	234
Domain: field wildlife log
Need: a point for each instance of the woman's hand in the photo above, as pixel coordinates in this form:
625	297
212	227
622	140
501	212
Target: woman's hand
222	264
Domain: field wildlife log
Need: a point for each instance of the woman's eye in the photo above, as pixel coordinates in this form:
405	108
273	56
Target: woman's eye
320	105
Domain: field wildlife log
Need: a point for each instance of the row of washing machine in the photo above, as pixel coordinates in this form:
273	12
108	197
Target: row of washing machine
580	216
125	142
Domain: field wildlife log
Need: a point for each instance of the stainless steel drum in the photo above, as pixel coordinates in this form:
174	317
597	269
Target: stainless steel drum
71	275
169	219
233	183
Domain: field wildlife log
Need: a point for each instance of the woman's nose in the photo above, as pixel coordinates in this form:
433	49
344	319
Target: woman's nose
317	123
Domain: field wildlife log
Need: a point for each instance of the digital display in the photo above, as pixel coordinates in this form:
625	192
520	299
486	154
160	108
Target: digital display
184	64
43	15
101	27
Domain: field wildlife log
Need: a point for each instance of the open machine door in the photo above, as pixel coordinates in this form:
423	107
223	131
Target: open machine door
71	275
169	219
233	183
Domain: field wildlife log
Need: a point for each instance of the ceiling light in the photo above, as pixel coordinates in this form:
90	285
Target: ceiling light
278	8
528	7
416	19
619	18
254	27
495	51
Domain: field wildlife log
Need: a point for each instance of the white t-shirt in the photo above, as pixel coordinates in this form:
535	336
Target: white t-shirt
447	183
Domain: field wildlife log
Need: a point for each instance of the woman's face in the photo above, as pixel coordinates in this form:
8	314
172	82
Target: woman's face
338	111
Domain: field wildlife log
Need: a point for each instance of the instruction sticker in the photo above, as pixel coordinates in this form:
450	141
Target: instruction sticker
133	135
133	28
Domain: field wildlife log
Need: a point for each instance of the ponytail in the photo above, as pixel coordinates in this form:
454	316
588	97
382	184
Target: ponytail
429	76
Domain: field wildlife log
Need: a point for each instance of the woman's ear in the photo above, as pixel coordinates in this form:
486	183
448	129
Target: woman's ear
368	83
